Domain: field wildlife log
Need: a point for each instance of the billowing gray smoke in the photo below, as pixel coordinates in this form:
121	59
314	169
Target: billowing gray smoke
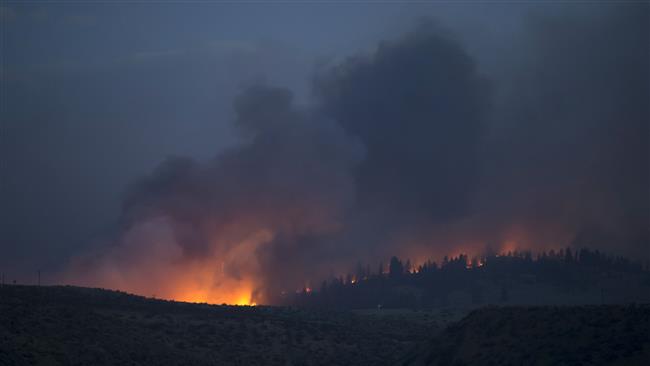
406	151
568	151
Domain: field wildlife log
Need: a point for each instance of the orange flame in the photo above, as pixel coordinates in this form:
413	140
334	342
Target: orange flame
227	273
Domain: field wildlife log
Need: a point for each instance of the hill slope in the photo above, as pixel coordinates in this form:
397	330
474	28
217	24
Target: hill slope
80	326
584	335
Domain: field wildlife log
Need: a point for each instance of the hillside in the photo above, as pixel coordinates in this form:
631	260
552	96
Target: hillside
79	326
512	279
586	335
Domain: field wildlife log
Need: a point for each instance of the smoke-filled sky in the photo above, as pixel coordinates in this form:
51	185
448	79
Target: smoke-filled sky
214	151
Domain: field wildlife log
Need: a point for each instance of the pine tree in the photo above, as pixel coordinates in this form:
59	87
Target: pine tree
568	256
395	269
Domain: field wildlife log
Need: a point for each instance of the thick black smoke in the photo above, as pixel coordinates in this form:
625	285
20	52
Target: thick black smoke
204	227
409	151
419	106
568	157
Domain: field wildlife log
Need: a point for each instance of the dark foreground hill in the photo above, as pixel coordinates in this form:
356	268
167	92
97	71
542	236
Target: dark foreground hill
80	326
581	335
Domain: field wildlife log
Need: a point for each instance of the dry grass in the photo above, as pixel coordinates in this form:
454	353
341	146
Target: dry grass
78	326
576	335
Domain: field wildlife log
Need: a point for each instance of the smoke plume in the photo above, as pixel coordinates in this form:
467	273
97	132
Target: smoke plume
408	150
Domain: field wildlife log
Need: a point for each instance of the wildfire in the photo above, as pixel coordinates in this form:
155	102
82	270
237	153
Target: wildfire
305	290
227	273
206	282
150	260
242	297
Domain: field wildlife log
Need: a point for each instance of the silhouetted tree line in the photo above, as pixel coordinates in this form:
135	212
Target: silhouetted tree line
463	279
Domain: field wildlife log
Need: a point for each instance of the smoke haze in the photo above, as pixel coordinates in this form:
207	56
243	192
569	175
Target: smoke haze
413	148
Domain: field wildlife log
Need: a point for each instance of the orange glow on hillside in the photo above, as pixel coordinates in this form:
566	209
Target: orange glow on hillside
227	272
236	296
150	261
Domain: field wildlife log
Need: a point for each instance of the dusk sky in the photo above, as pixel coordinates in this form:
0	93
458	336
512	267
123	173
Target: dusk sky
245	133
